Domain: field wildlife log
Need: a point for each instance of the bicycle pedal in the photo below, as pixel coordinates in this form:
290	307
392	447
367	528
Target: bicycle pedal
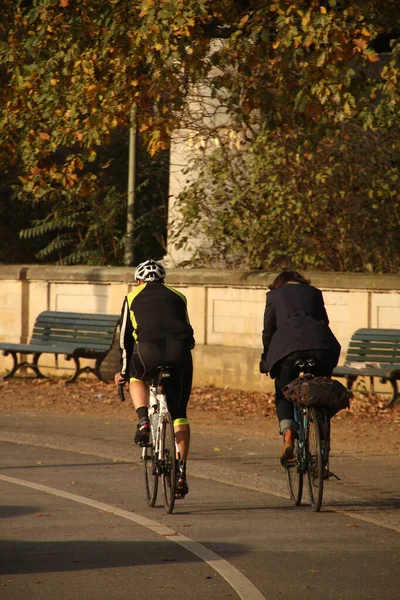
328	474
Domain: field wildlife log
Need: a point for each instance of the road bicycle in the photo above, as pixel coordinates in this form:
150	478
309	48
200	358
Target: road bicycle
311	448
160	455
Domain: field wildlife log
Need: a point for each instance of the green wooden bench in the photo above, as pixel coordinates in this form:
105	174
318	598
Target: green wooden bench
373	353
76	335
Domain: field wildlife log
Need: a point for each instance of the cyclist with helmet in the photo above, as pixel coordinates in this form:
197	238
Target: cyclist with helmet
155	330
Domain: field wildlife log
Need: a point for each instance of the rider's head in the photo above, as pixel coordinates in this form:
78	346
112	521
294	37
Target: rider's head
149	270
287	277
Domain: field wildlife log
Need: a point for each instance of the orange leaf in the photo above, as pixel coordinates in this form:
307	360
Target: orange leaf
372	56
360	43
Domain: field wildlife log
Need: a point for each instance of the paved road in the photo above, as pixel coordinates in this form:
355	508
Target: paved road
75	524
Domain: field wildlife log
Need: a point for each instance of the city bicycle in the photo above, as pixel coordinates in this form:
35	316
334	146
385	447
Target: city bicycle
160	455
311	449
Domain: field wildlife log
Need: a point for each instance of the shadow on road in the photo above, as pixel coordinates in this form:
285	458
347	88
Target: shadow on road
78	465
380	504
22	557
16	511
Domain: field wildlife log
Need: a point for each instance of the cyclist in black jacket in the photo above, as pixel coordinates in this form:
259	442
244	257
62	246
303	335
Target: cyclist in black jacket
296	326
154	331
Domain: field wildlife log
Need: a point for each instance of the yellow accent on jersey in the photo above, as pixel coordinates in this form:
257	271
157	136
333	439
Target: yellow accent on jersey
176	292
130	297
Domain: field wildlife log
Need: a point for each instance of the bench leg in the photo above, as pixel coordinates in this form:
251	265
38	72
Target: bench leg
18	365
395	396
96	369
350	379
34	365
78	369
15	366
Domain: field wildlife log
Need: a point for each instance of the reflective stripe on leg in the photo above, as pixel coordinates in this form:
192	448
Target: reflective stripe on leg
183	421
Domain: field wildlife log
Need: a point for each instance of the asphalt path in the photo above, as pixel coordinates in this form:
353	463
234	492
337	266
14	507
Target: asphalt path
75	524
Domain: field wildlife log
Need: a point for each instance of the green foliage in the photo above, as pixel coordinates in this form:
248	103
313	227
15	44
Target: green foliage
86	231
14	215
70	72
90	229
74	69
284	203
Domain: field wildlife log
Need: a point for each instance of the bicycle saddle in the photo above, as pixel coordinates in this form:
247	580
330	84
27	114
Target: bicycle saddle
163	371
305	364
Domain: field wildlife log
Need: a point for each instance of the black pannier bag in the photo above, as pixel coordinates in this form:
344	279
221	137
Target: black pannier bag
320	392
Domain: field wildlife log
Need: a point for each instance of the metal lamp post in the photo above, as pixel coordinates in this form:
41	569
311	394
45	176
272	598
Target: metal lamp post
130	216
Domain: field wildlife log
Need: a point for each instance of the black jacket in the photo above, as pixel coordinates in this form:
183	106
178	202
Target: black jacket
152	311
295	319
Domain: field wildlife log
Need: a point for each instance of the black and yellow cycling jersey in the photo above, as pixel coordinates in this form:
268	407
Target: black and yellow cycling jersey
152	311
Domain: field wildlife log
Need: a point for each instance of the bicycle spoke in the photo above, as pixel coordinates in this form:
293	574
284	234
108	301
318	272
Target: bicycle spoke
168	463
294	476
150	475
315	466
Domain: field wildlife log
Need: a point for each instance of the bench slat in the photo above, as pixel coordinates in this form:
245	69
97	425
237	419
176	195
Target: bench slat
74	323
94	328
374	344
77	315
377	334
51	349
371	372
71	335
372	358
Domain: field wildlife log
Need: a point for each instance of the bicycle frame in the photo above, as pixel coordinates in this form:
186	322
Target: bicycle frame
160	456
158	408
311	450
301	417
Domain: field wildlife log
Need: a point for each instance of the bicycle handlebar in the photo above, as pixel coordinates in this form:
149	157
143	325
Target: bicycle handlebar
121	392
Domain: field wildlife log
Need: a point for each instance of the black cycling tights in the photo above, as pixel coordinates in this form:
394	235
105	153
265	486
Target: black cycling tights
149	355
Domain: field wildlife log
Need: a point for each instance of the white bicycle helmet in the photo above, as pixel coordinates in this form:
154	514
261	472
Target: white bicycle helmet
150	270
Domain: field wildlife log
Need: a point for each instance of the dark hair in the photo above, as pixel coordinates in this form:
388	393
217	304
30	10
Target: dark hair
287	276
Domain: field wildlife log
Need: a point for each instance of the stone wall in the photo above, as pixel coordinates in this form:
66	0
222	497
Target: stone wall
225	307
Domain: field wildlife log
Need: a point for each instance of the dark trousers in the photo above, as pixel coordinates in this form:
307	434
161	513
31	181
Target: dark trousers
147	356
284	372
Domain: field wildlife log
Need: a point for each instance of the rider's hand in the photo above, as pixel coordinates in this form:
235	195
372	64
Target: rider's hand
119	379
263	365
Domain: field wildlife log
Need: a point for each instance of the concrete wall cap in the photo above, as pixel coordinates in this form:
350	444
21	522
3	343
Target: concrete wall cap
198	277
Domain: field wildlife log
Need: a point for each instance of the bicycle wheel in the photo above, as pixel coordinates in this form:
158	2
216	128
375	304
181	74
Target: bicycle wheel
315	467
294	475
150	474
168	462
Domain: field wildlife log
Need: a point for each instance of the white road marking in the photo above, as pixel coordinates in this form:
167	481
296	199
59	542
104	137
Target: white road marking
242	586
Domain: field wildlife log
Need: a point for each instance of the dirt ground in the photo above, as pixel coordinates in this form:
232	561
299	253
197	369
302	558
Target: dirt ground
366	425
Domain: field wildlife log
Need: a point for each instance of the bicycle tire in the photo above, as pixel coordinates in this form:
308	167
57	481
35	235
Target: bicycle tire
150	474
168	462
294	475
315	467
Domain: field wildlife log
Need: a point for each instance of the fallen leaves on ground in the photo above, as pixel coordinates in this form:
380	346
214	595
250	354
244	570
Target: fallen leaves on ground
99	398
365	427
